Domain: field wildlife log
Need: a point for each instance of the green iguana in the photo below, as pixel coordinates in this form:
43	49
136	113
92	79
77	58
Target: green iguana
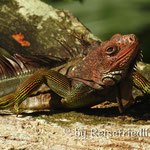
106	72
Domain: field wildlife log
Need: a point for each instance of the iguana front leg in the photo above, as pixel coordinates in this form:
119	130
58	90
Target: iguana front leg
60	84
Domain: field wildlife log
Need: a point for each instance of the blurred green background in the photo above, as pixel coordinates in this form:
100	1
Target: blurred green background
107	17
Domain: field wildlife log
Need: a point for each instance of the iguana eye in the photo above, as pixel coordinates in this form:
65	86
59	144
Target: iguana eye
110	50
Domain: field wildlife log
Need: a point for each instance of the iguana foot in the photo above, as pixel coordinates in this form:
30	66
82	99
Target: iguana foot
17	109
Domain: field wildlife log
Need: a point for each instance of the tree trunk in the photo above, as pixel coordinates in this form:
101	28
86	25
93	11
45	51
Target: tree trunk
42	26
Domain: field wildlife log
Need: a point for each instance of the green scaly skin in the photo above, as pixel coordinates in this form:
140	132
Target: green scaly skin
79	92
141	83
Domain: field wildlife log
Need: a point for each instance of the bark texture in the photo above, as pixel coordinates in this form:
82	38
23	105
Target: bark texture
41	25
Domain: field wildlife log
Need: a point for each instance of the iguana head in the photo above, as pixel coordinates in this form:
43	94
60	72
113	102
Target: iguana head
110	62
120	54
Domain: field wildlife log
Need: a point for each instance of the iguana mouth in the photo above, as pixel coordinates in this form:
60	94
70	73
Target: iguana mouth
112	77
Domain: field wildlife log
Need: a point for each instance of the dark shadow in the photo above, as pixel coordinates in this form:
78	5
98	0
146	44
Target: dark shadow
43	112
139	111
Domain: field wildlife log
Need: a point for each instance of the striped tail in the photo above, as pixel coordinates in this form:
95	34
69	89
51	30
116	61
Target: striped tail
141	83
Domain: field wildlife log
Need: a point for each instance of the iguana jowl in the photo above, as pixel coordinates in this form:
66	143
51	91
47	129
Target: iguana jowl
88	80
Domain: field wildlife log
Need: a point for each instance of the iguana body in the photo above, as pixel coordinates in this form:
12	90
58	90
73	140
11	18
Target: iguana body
103	74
